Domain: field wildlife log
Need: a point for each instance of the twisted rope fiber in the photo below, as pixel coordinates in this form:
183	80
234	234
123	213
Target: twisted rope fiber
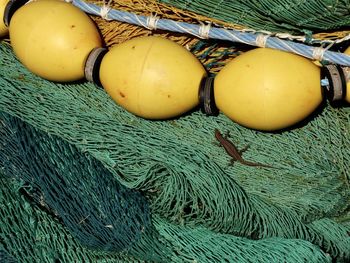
187	180
219	33
16	134
212	54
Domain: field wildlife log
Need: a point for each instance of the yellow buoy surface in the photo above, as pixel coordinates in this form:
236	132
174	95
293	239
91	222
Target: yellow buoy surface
152	77
267	89
3	28
347	96
53	39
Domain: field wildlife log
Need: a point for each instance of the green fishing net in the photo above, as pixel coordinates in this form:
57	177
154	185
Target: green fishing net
32	177
5	257
73	159
276	16
30	234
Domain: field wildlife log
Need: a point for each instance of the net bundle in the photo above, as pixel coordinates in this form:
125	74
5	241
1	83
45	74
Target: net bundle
104	216
77	171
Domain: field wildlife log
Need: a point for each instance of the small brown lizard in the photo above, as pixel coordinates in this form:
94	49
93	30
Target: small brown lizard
231	150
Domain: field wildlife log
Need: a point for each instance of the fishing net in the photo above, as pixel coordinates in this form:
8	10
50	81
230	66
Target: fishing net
30	234
37	188
83	180
5	257
285	15
187	181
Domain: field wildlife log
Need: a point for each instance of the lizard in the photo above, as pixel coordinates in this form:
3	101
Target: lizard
236	154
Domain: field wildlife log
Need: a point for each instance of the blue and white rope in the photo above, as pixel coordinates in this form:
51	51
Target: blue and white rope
207	31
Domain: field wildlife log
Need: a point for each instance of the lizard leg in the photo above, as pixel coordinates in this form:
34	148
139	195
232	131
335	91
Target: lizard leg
217	143
232	161
243	150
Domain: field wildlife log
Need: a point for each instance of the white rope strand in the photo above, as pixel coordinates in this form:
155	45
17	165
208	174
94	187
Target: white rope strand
152	22
261	40
105	10
318	53
204	30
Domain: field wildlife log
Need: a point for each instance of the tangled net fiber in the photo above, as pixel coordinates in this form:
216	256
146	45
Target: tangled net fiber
84	180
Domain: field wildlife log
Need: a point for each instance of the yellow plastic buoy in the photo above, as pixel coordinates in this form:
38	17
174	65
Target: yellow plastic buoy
3	28
53	39
347	96
152	77
266	89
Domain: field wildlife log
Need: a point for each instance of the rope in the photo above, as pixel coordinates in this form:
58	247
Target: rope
152	22
105	10
204	30
318	53
208	31
261	40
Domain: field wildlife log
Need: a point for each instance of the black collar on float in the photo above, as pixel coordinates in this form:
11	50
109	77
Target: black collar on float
336	87
207	98
93	63
11	7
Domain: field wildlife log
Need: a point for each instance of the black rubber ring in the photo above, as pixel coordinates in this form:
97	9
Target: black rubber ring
207	98
336	88
11	7
93	63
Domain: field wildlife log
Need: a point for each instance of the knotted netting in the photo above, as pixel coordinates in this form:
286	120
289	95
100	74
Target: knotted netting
187	181
84	180
276	16
99	224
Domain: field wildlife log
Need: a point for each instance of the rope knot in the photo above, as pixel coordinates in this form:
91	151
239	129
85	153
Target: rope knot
204	30
152	22
261	39
318	53
104	12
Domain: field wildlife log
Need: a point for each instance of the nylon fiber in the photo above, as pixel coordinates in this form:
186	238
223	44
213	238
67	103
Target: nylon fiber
283	15
30	234
193	192
26	150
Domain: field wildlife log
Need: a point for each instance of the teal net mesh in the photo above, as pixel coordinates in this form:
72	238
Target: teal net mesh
276	16
30	234
96	209
200	207
104	220
5	257
28	148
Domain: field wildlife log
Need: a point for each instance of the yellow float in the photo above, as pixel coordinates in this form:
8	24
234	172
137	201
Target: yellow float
53	39
152	77
3	27
268	89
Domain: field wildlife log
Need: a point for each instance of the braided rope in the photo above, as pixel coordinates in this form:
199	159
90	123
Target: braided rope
253	39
